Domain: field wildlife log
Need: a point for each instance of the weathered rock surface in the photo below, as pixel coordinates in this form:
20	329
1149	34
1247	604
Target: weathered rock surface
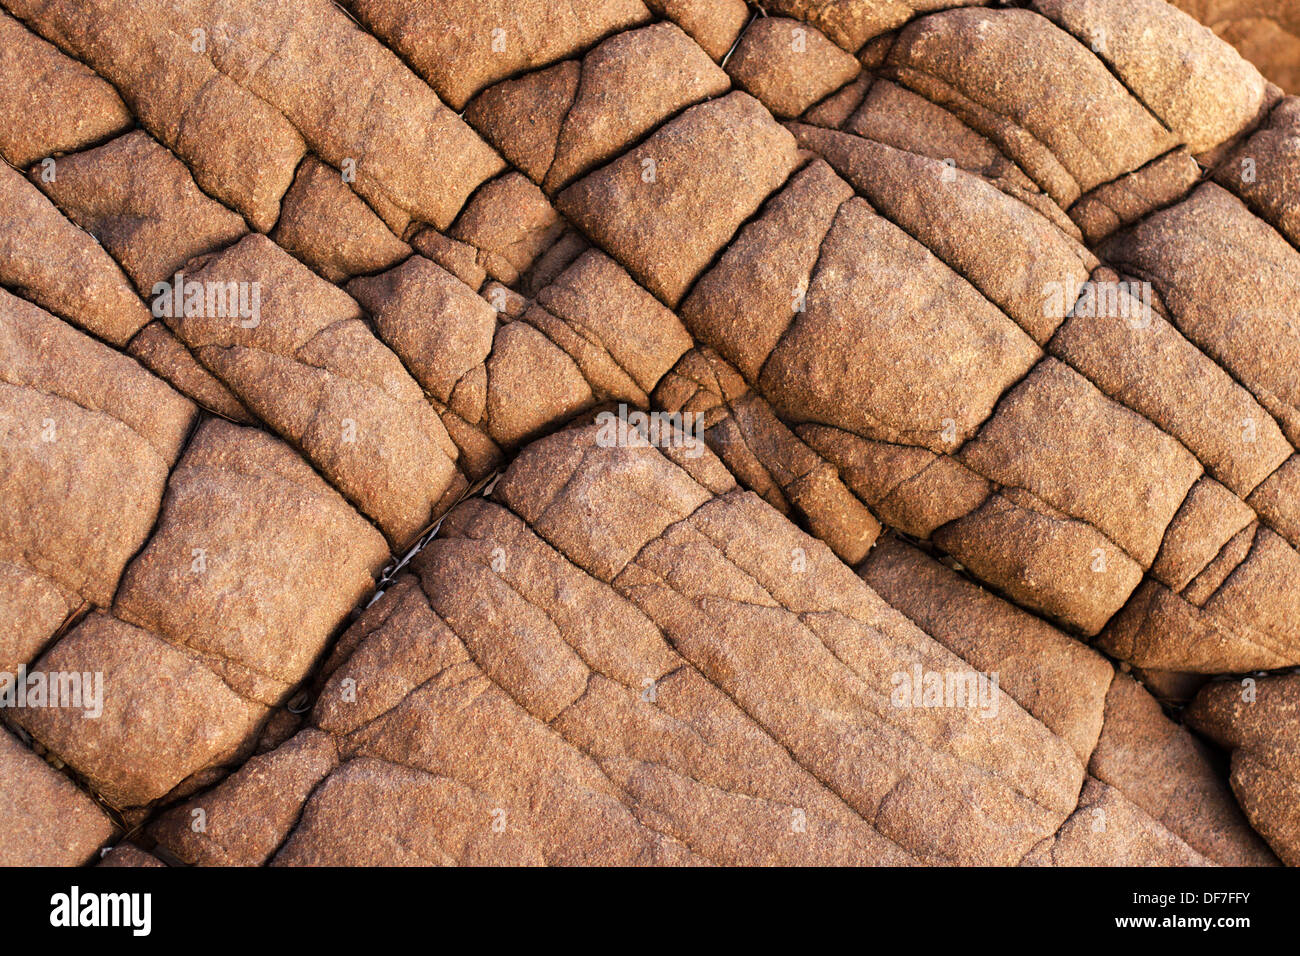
308	365
590	336
69	109
843	446
47	259
789	65
87	438
1259	721
140	202
558	123
222	613
1265	32
668	205
666	631
329	227
44	819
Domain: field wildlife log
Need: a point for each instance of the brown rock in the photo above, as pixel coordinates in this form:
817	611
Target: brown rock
439	707
789	65
309	367
1263	170
1196	253
47	259
1257	720
220	615
1122	201
128	855
158	349
88	439
1166	771
244	597
897	117
1108	829
45	820
1102	464
764	454
984	234
306	74
986	66
71	107
1052	676
666	207
1196	84
510	222
142	205
464	45
240	148
851	23
329	227
713	24
1266	32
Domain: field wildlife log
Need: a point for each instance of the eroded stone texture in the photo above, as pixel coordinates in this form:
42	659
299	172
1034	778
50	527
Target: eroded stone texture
1236	615
1230	282
45	820
240	148
329	227
986	66
1136	356
241	102
1120	202
142	205
1197	85
260	595
764	454
1108	829
88	439
47	259
666	207
558	123
1160	766
620	655
676	590
309	367
864	341
510	222
461	46
894	115
592	335
70	108
713	24
1052	676
221	614
253	810
1102	464
1266	32
158	349
983	234
886	322
789	65
129	855
1265	170
166	713
1259	720
851	23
